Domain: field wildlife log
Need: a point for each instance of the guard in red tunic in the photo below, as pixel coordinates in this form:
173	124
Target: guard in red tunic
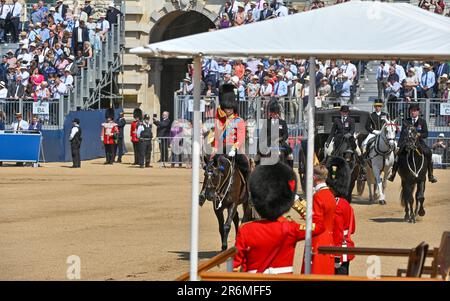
344	218
137	115
109	134
268	245
229	130
324	207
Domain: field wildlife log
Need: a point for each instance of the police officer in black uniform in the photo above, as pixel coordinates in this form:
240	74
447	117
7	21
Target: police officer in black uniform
422	129
145	135
75	143
283	135
343	127
121	122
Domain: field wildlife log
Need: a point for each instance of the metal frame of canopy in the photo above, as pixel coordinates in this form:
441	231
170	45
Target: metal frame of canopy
311	55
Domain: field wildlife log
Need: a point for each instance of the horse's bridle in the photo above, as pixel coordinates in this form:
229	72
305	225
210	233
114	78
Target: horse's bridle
218	199
385	140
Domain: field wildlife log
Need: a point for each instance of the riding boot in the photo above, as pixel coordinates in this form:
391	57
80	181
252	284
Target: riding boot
291	163
393	172
431	177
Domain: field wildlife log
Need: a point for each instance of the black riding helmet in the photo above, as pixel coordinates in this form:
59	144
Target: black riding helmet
227	97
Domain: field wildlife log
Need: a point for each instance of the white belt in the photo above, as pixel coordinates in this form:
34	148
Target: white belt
345	232
282	270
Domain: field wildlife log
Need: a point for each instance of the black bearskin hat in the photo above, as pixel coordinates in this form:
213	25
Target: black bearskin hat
273	189
274	107
109	113
339	176
227	97
137	113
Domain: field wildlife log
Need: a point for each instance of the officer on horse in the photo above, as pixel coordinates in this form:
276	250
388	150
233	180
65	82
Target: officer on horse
281	140
374	124
343	128
422	131
229	132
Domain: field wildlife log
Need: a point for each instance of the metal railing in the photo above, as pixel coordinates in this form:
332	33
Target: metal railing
50	112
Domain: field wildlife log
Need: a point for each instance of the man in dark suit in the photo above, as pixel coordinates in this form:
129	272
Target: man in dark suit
163	134
319	76
16	90
53	39
121	122
422	129
79	36
266	13
88	8
343	127
35	125
112	14
61	8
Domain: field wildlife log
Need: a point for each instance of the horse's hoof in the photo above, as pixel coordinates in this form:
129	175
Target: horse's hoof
382	202
421	212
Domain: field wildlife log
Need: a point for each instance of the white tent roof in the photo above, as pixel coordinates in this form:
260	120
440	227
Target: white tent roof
350	30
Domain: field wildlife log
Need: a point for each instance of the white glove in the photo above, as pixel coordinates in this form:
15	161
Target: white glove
251	141
232	153
376	132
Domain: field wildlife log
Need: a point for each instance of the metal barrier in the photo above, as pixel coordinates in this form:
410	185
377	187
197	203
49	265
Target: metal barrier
432	110
50	112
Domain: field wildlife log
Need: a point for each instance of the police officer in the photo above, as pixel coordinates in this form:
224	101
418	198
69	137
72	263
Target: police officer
145	135
283	135
375	122
343	127
75	143
422	129
121	122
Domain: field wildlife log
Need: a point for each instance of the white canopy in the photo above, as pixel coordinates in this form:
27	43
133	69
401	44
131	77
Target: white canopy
352	30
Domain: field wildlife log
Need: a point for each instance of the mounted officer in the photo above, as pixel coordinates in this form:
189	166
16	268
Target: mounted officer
343	128
422	130
280	140
374	124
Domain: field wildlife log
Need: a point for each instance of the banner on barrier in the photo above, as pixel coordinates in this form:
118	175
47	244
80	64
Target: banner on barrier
445	109
41	108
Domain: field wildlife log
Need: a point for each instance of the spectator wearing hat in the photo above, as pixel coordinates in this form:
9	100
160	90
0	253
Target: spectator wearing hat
280	88
410	85
145	135
187	87
20	124
55	16
104	26
346	89
88	8
112	14
268	245
427	82
442	86
61	8
239	16
324	90
439	150
75	143
67	79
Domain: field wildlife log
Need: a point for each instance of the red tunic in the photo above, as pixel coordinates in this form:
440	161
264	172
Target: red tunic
231	131
108	131
265	244
133	132
324	207
344	227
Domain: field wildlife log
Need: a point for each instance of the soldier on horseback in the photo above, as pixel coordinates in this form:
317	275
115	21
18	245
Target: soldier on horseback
422	129
229	133
343	128
283	135
374	124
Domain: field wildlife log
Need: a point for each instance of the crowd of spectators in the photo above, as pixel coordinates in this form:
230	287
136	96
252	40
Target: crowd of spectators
54	46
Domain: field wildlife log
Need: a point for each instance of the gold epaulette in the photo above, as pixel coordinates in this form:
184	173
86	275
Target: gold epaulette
303	227
300	207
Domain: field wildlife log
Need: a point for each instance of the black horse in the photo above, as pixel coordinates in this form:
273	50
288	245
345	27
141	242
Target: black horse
226	187
412	168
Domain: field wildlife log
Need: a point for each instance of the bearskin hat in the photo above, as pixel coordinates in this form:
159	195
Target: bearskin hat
109	113
137	113
273	189
227	97
339	176
274	106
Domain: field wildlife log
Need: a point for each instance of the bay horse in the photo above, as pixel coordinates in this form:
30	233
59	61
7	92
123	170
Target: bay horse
412	168
226	187
380	159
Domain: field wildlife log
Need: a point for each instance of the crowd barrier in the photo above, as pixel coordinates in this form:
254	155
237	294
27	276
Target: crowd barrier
23	146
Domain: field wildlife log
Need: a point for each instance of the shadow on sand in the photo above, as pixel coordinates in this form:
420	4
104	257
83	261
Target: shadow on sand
201	255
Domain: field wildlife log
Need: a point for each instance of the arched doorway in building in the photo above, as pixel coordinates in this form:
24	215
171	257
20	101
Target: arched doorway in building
175	25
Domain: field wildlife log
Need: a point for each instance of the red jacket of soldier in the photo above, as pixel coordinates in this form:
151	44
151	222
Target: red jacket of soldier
344	227
324	207
268	245
133	132
229	130
108	131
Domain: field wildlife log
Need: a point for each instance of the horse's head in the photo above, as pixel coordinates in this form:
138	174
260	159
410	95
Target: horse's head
389	132
215	173
411	138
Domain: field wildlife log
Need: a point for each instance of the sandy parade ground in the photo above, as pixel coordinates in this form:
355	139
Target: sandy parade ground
127	223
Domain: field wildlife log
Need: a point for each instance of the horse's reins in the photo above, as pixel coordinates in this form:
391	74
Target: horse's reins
415	172
230	182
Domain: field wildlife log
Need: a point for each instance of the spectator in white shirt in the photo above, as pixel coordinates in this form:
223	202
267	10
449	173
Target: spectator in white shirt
103	25
59	88
3	91
4	10
67	78
19	124
266	87
350	70
399	70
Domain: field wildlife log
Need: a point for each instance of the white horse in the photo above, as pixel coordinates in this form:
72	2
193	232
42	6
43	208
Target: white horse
380	158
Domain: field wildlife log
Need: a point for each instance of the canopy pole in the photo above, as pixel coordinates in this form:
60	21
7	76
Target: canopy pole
195	170
310	163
